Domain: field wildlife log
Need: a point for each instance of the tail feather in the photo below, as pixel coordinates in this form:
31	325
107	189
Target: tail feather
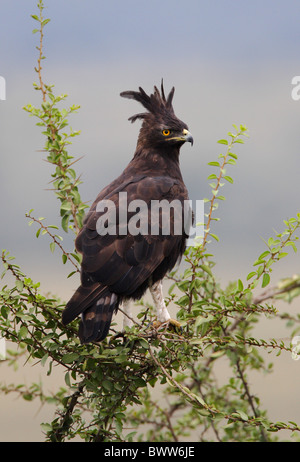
96	320
97	305
81	300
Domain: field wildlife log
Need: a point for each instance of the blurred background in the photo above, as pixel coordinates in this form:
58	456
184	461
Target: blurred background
230	62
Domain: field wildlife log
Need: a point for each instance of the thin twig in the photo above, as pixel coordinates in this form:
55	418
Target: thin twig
67	254
40	48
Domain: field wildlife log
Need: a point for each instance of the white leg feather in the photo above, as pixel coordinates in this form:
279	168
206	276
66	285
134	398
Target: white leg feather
157	294
126	308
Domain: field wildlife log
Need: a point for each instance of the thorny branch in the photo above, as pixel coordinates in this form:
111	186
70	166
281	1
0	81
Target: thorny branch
40	57
54	239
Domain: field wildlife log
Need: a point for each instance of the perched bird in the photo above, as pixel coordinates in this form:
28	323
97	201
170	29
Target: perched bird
125	253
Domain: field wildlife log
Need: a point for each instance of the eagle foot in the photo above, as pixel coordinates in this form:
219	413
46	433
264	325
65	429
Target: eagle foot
173	322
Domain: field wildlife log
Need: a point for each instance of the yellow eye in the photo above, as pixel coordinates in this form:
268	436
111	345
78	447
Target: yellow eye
166	132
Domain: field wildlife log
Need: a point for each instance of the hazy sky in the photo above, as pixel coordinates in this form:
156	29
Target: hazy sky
230	61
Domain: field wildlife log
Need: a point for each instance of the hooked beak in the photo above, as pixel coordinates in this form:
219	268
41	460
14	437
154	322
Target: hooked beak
187	136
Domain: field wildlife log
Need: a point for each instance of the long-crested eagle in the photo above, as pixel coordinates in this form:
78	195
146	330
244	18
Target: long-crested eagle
121	265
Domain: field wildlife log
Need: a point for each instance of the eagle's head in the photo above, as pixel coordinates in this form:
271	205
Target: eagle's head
161	128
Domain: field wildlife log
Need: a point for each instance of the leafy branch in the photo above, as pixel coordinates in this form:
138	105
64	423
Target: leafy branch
229	158
286	238
54	122
56	241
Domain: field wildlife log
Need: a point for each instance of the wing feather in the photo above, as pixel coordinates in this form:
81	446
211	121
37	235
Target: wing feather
124	262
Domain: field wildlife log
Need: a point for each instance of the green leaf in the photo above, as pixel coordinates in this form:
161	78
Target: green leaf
76	197
199	321
266	280
213	176
291	243
282	254
228	178
23	332
69	358
223	142
66	206
71	274
107	385
242	415
206	269
65	222
183	301
231	154
144	343
19	285
44	359
263	255
52	246
76	256
119	427
250	275
67	379
139	382
46	427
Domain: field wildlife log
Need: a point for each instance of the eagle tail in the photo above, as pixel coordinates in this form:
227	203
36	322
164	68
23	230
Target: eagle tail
97	305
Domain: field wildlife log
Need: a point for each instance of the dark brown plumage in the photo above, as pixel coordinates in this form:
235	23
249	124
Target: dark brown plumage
118	267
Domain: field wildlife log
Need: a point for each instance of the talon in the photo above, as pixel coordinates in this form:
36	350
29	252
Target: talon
173	322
